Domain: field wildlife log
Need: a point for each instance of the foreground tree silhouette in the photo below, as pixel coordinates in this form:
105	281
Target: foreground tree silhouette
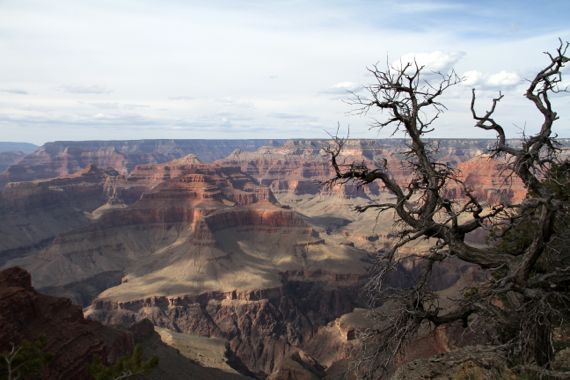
525	294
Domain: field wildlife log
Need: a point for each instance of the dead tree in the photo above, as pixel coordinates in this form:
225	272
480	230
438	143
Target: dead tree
526	259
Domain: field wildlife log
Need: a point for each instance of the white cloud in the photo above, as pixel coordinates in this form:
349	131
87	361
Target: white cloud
189	61
503	79
341	88
432	61
15	91
472	77
344	85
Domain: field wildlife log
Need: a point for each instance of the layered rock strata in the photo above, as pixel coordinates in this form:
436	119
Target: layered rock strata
67	157
71	340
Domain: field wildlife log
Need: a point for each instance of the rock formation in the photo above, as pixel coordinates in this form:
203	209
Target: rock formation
72	340
300	167
200	248
67	157
33	213
9	158
249	249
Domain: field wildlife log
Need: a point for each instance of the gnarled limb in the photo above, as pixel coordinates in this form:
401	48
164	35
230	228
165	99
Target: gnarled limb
523	277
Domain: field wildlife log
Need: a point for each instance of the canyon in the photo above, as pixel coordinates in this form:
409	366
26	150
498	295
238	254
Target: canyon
238	242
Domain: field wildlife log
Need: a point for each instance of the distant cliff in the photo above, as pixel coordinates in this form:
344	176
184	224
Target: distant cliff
60	158
6	146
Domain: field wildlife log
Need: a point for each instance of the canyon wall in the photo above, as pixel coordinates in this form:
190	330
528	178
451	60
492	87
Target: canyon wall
249	248
73	342
61	158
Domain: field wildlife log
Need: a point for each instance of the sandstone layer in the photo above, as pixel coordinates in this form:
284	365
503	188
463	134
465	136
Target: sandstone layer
249	249
67	157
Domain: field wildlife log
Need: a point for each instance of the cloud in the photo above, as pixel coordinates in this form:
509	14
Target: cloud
15	91
501	79
84	89
76	120
342	88
438	61
472	77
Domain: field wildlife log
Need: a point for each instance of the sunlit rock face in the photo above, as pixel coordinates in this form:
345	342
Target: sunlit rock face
250	248
490	180
66	157
301	167
189	235
262	326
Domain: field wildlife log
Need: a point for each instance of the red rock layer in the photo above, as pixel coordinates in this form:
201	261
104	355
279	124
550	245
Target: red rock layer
491	180
66	157
86	189
301	166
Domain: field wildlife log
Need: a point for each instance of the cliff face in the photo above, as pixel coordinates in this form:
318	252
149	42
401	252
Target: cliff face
33	213
490	179
262	326
300	166
67	157
198	248
250	248
9	158
186	227
72	340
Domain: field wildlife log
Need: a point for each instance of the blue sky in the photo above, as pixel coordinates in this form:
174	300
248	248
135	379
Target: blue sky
74	70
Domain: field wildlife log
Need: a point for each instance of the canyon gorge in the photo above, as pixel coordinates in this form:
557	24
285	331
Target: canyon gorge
234	244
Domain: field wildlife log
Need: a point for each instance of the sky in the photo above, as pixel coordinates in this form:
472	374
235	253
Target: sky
231	69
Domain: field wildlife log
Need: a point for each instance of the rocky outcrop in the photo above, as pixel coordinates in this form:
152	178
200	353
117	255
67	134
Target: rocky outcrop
299	366
491	180
33	213
300	166
474	362
263	327
66	157
213	219
171	364
71	340
208	249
